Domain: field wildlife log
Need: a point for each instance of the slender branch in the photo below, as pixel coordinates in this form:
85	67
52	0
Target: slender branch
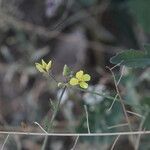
5	142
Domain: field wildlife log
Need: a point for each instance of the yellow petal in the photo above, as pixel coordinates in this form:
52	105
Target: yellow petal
79	75
74	81
86	77
44	64
39	67
48	66
83	85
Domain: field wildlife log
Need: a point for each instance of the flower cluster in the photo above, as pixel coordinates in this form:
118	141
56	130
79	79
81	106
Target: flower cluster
44	67
80	78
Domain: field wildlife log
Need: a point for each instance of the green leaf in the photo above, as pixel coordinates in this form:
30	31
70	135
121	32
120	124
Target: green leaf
133	58
66	71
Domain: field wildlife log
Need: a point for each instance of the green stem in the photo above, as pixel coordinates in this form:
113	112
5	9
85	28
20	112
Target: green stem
53	117
51	75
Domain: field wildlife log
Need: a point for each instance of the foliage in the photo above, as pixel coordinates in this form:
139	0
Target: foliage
142	12
79	33
133	58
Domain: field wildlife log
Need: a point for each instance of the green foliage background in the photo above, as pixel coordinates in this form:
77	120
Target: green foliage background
141	11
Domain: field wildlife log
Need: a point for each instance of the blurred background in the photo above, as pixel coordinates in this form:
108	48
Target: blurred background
84	34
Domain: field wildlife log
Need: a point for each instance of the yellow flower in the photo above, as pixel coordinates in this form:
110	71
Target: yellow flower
80	79
43	67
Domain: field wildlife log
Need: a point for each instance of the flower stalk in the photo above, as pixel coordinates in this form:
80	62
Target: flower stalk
53	117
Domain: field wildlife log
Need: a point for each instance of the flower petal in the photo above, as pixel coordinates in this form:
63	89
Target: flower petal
44	64
83	85
79	75
86	77
39	67
74	81
48	66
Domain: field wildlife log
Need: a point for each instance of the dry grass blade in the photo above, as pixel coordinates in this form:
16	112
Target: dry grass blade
5	142
75	143
115	142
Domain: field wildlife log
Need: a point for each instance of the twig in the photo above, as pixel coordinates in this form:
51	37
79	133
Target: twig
115	142
87	119
5	142
117	85
75	143
137	143
40	127
119	125
115	66
113	102
122	71
133	113
121	100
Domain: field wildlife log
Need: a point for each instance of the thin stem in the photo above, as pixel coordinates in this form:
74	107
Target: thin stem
121	100
5	142
136	114
117	138
122	71
113	102
51	75
40	127
87	118
76	134
75	143
118	125
137	143
53	117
